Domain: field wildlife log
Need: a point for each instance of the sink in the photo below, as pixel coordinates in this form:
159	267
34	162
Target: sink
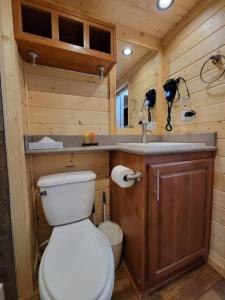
160	146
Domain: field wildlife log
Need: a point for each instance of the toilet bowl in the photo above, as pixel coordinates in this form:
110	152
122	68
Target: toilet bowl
78	261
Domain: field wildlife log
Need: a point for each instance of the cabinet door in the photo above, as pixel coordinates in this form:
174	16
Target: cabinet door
179	215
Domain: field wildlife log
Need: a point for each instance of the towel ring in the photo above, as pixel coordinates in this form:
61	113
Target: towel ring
215	60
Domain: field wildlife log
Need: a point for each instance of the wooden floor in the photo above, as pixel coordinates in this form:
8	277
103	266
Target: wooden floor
203	284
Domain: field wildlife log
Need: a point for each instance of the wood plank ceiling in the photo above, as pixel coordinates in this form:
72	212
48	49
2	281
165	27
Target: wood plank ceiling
141	15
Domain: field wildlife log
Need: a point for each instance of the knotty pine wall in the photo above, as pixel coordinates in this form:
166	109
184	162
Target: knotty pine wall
33	240
23	97
61	102
142	78
195	40
14	108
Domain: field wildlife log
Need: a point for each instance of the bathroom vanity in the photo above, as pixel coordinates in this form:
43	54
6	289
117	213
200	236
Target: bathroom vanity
166	216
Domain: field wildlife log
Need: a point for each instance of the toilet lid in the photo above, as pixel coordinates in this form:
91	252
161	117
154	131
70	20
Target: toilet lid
77	262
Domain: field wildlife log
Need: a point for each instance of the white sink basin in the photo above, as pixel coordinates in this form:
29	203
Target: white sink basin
160	146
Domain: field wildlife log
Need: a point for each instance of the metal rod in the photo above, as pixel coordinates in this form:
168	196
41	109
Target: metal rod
33	57
101	71
137	177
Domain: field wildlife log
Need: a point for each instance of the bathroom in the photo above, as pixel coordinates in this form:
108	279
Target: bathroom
121	102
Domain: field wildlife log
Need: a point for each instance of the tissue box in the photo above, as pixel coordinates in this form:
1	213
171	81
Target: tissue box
44	144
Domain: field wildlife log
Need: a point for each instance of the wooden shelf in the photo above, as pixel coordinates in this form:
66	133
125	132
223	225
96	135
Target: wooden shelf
71	32
62	39
98	34
40	24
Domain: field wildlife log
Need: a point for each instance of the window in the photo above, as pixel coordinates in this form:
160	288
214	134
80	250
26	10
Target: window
122	108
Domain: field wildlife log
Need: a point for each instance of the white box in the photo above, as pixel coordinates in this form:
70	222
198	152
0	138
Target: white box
44	144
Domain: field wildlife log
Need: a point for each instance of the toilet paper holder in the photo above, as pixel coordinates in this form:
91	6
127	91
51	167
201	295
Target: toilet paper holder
137	177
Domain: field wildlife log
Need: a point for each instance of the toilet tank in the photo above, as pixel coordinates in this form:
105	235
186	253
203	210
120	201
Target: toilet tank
67	197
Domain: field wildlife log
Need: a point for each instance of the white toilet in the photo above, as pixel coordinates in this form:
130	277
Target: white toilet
78	261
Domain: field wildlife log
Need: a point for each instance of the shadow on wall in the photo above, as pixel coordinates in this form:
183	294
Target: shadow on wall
7	267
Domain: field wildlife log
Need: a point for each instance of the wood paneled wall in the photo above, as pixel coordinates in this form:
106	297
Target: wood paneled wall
15	123
196	39
24	104
140	80
25	120
141	15
62	102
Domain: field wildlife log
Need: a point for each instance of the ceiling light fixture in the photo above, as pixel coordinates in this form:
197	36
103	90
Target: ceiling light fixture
164	4
127	51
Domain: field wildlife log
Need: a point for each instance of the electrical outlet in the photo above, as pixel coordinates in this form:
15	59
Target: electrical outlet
151	125
184	118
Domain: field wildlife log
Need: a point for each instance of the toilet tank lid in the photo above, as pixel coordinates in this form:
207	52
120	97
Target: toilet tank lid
65	178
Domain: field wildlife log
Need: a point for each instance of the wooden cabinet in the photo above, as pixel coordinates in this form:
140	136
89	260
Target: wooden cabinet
165	217
178	216
62	39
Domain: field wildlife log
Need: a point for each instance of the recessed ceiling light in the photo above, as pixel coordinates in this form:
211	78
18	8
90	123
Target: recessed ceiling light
164	4
127	51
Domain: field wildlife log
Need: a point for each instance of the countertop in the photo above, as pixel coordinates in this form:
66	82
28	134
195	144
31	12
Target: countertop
133	150
73	149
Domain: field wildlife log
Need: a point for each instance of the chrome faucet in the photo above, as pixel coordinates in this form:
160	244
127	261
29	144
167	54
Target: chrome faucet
145	129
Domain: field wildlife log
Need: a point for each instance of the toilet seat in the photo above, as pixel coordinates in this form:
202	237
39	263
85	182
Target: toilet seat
77	264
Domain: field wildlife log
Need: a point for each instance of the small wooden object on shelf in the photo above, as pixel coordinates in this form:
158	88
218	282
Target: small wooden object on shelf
89	144
89	139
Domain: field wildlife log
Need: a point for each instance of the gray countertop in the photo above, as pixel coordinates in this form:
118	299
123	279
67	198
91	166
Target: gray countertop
73	150
133	150
72	144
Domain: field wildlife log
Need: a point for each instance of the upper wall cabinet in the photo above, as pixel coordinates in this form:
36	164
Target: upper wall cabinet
63	40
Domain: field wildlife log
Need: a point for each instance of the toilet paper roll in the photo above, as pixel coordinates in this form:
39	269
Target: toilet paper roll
118	174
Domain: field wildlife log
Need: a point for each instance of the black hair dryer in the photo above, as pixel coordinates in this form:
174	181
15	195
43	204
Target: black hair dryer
171	89
149	102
